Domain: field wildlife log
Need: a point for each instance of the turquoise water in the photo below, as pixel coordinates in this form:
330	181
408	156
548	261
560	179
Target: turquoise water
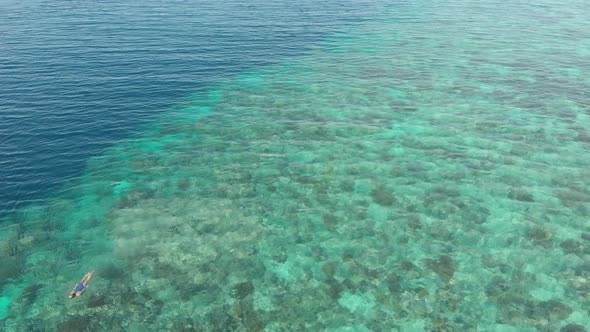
425	170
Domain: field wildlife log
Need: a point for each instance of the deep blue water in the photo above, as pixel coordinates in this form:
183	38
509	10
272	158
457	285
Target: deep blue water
75	77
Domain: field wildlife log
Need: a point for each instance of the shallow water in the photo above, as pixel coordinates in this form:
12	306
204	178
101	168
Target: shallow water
425	170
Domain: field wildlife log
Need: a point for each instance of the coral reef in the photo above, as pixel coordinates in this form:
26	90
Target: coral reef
328	193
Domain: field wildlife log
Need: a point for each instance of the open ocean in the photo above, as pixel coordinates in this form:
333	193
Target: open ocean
351	165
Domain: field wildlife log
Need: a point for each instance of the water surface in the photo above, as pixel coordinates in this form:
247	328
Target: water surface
422	170
75	78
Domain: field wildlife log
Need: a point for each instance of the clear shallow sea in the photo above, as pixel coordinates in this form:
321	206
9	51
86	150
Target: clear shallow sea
411	166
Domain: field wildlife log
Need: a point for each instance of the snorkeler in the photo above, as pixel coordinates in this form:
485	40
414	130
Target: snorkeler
81	286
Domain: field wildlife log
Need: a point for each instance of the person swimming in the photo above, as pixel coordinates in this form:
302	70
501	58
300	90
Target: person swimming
81	286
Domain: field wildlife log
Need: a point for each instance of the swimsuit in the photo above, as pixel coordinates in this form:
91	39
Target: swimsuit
79	288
